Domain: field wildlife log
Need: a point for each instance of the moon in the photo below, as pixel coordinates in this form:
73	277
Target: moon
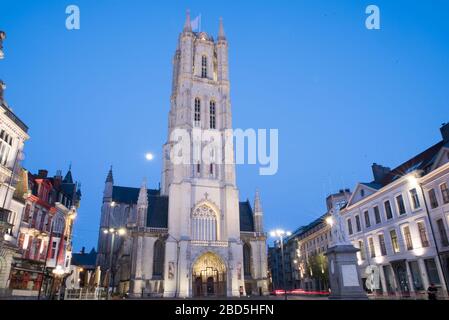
149	156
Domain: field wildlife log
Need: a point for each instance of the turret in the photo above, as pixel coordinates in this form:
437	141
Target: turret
142	205
258	213
186	47
109	183
222	54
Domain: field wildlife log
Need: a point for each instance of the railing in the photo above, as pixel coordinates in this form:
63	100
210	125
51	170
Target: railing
15	119
204	243
83	294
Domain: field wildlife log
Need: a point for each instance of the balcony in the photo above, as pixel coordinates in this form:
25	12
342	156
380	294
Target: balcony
204	243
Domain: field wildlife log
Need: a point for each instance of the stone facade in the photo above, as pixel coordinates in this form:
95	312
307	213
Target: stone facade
192	237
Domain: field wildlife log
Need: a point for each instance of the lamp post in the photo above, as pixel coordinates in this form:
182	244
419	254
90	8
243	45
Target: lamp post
58	273
113	232
280	234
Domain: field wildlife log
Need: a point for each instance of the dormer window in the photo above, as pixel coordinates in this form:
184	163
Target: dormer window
203	67
362	193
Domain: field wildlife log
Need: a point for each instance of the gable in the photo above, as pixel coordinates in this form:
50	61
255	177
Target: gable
362	191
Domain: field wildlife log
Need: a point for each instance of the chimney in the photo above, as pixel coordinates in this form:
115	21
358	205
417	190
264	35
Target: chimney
42	173
83	250
445	132
379	172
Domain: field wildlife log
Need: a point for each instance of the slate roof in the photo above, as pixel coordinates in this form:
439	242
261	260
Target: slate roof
157	216
246	217
84	259
422	161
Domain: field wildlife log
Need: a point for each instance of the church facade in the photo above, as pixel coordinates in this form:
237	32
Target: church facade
192	237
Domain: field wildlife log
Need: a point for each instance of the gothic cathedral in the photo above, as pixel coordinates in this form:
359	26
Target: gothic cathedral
192	237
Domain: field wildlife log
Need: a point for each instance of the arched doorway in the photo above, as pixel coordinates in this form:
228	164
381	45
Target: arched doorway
209	276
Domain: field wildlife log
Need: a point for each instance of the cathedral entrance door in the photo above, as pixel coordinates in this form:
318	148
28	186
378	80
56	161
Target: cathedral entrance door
198	287
209	274
210	286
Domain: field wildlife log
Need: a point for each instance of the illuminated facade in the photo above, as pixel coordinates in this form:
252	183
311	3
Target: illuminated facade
389	219
44	238
13	134
192	237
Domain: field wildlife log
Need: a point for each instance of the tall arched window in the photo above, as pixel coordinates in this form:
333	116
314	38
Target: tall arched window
197	112
158	259
204	224
247	259
203	67
212	115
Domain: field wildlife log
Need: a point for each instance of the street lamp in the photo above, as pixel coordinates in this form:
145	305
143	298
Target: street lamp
279	233
113	232
58	273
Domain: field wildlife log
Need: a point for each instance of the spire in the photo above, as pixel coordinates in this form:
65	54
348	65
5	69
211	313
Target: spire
110	177
221	33
187	24
143	194
257	204
68	177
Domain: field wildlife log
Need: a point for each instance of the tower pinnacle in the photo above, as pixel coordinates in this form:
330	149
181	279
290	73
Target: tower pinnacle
110	177
257	203
143	194
187	24
221	33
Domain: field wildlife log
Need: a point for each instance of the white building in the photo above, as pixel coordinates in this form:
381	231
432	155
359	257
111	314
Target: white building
192	237
13	134
389	220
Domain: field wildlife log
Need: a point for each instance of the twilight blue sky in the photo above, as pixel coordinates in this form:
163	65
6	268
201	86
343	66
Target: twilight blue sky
341	96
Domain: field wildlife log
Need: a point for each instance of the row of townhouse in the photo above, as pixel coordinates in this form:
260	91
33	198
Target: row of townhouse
400	223
36	214
307	246
44	235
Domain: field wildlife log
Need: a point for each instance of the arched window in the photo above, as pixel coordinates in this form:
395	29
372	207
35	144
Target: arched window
158	259
212	115
197	112
203	67
204	224
247	259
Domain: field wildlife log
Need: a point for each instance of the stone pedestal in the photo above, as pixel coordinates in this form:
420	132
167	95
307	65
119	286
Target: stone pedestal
344	275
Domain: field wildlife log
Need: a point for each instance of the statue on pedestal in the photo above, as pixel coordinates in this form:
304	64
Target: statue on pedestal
339	236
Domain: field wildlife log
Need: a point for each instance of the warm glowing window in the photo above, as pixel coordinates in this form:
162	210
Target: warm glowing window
394	241
423	234
408	238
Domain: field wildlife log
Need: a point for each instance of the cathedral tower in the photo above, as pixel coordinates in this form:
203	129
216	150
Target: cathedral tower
204	200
